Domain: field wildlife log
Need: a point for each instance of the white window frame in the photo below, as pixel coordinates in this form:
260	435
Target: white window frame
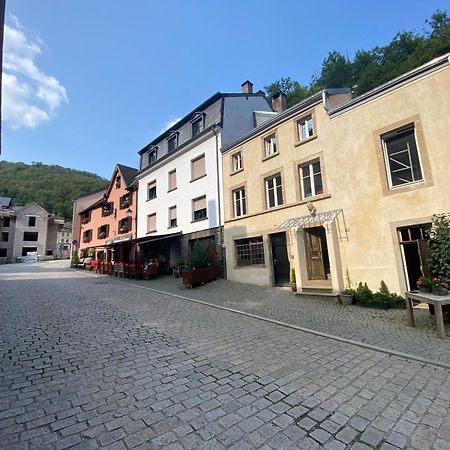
152	185
275	189
302	124
239	199
236	161
311	175
388	157
270	145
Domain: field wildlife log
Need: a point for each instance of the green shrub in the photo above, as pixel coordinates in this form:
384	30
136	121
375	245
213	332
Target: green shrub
440	246
198	257
75	258
363	294
293	279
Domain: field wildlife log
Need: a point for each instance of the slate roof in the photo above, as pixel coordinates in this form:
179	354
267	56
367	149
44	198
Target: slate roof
128	173
5	202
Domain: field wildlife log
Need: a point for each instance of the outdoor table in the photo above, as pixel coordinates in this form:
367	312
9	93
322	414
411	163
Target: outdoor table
427	297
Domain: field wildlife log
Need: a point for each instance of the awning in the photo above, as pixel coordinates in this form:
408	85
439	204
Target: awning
318	220
156	237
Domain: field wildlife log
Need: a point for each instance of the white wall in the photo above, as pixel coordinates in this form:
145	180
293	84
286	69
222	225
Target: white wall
184	194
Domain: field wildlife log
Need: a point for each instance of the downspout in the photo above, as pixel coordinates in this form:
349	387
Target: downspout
219	205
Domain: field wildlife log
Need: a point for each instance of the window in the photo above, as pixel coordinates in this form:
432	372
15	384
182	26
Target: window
125	201
152	155
172	142
5	236
198	167
32	221
118	179
3	252
87	236
239	204
6	221
26	250
305	128
172	180
107	209
48	252
270	145
199	208
86	217
151	223
274	193
30	235
103	232
311	179
125	225
402	157
198	125
172	216
236	162
250	252
151	189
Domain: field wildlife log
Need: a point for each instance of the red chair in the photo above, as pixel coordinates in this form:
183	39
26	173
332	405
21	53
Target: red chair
136	271
93	265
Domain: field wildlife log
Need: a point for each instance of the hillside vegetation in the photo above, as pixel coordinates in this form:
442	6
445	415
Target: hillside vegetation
370	68
52	187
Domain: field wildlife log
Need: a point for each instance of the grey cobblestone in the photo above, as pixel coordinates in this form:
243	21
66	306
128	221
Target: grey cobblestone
157	371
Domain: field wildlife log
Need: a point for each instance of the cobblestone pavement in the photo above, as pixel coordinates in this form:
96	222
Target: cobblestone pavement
88	362
383	328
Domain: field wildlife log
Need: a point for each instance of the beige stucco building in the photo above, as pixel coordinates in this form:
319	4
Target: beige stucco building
334	186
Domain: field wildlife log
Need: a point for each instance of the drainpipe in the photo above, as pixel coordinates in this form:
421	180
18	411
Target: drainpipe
219	205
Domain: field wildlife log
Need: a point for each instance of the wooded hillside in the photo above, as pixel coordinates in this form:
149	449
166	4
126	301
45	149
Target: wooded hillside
370	68
52	187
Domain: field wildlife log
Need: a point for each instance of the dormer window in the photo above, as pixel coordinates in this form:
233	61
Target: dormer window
152	155
197	124
172	142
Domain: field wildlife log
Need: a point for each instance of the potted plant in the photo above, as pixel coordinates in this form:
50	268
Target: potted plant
439	287
346	296
102	235
199	269
292	281
424	284
178	268
124	229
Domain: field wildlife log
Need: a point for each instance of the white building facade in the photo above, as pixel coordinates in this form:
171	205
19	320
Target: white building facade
180	197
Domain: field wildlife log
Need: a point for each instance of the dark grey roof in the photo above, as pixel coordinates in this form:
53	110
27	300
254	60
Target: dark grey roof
187	117
5	202
128	173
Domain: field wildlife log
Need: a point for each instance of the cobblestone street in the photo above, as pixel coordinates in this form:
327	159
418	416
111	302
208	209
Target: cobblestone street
91	363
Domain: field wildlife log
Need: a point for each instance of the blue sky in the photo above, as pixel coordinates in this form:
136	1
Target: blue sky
88	83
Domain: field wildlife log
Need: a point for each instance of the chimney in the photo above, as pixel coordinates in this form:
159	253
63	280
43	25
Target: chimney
247	87
279	102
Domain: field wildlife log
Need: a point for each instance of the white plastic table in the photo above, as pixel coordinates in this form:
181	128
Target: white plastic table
427	297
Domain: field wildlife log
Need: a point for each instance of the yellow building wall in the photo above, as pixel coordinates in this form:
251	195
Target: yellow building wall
353	172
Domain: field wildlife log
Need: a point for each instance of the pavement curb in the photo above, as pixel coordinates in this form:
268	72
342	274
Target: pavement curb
295	327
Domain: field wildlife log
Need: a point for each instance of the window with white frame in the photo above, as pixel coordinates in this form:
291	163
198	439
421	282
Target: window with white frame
199	208
151	189
172	216
151	223
402	157
305	128
172	180
236	161
239	202
274	191
311	179
249	251
270	145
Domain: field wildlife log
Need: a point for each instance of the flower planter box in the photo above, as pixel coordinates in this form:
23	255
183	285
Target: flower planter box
197	277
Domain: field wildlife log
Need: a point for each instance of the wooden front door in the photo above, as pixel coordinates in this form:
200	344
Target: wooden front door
314	254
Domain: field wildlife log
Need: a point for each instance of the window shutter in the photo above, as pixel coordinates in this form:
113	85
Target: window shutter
200	203
198	167
173	213
172	180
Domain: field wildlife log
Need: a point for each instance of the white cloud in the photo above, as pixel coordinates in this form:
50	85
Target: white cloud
169	124
30	97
